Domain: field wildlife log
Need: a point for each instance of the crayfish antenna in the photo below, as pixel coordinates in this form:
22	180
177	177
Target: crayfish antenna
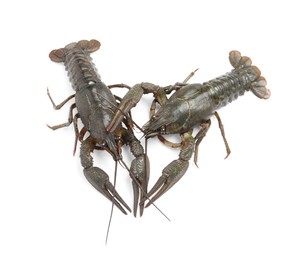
112	205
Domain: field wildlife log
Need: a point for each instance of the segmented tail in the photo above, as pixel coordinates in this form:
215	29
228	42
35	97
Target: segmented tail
78	63
258	86
59	55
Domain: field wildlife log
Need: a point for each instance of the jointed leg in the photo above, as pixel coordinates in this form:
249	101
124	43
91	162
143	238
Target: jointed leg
119	86
57	107
199	136
168	143
190	76
76	131
70	119
223	134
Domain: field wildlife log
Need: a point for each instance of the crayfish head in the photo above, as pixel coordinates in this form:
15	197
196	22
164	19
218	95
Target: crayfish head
160	131
165	122
157	124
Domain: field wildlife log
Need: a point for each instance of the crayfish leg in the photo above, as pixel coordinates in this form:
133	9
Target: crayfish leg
199	137
221	127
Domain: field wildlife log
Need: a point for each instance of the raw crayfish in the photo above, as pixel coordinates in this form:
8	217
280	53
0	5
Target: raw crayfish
96	106
191	105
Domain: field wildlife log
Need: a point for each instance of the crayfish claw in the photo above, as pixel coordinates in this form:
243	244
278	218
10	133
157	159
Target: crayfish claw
139	198
140	170
172	173
100	181
129	101
161	186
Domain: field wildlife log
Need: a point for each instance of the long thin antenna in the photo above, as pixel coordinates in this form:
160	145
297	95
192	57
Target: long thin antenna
112	206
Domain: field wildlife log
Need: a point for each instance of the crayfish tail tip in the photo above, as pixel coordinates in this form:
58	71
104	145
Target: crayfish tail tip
57	55
90	46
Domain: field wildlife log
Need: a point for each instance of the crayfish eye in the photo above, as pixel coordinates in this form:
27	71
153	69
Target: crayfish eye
102	144
162	130
117	139
153	118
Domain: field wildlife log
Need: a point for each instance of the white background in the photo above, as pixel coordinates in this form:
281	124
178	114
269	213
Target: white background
245	207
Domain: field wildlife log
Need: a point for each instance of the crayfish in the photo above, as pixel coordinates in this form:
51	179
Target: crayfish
191	105
96	106
108	121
